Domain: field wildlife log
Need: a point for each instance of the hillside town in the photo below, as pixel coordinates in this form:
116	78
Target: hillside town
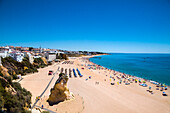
18	53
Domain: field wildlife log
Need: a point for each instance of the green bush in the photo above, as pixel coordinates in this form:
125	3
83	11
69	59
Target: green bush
18	67
14	77
9	79
1	74
14	103
39	63
49	63
45	112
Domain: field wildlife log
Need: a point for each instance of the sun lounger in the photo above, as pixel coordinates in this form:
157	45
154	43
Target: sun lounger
74	73
79	73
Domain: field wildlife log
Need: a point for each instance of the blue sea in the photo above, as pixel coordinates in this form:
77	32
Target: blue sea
154	67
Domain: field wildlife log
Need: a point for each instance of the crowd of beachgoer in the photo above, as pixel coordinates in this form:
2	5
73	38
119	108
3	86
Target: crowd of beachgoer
122	78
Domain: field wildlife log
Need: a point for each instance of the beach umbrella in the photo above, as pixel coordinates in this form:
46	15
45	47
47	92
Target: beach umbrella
149	87
144	85
164	94
144	81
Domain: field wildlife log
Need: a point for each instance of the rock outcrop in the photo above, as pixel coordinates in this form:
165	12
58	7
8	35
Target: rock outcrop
4	71
60	92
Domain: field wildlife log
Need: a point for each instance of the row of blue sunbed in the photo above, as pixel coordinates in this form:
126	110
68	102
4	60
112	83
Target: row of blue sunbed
75	74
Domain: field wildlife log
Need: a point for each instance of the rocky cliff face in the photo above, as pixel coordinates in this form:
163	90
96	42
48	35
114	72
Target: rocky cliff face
4	71
60	92
13	98
44	60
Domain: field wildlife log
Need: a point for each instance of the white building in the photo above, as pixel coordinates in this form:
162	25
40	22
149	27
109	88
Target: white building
4	54
0	61
57	52
18	56
31	59
50	56
30	56
37	56
5	51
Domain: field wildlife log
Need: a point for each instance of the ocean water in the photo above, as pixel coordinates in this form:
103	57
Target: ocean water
149	66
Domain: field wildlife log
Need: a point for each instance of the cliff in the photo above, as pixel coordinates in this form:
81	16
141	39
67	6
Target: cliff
4	71
7	86
60	92
13	67
44	60
40	62
13	98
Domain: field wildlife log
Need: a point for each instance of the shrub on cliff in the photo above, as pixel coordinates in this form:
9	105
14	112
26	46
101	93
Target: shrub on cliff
64	56
38	62
14	103
45	112
15	67
1	74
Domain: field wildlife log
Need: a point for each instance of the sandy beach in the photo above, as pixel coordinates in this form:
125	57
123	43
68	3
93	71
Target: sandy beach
96	95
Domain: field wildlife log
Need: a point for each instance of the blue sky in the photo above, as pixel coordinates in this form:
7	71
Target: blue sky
94	25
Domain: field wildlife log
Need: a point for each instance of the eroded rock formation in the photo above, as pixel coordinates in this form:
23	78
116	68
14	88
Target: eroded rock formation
4	71
60	92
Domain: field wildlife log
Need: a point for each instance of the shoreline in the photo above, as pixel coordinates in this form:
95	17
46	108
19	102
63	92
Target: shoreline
123	72
96	91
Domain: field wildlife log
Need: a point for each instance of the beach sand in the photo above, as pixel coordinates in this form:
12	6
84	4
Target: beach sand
97	98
